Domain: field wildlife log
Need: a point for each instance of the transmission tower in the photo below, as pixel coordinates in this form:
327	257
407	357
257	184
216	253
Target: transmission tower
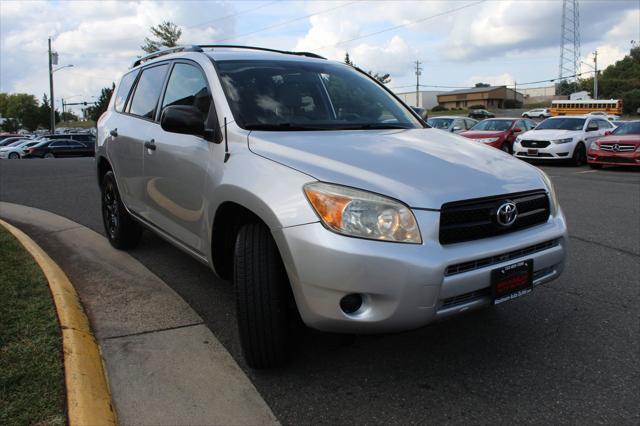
569	40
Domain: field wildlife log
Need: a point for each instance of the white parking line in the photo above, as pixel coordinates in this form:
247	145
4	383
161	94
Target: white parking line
586	171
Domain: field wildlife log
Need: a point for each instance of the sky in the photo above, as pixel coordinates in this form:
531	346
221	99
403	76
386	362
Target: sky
458	43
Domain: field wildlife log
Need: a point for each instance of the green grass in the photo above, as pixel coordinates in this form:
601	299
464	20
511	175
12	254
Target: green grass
81	124
31	366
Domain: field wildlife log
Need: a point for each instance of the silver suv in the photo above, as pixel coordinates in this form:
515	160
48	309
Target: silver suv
319	193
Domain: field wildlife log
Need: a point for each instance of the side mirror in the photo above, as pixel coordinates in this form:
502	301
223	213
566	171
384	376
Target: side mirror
456	129
607	133
185	119
517	130
592	127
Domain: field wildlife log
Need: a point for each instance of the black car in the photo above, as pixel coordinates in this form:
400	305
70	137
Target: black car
480	114
80	137
58	148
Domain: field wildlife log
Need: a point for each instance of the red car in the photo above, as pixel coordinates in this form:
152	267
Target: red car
620	148
499	132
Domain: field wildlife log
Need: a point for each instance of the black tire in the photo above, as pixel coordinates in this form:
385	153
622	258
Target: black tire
14	156
123	232
541	117
526	116
49	155
262	291
579	155
506	147
595	166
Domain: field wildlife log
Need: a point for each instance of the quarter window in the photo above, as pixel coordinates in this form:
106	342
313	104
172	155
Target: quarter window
147	92
123	90
187	86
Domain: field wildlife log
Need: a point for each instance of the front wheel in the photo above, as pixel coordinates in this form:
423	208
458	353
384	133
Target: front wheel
49	155
579	155
506	147
261	288
526	116
123	232
541	117
14	156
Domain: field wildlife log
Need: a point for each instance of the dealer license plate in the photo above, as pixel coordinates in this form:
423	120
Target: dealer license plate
512	281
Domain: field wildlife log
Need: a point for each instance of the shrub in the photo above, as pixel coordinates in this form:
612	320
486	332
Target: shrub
477	106
631	101
439	108
512	103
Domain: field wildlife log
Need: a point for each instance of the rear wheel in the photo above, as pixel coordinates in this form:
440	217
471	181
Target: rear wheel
526	116
579	155
122	230
49	155
541	116
506	147
262	292
14	156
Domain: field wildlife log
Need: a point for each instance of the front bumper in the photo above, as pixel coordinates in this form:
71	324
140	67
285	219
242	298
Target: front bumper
613	158
552	152
405	286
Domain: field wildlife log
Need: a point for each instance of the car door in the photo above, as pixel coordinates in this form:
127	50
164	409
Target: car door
458	126
76	149
177	166
59	148
130	129
592	131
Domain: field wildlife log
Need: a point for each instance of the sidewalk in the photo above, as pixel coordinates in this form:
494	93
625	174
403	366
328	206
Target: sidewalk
163	364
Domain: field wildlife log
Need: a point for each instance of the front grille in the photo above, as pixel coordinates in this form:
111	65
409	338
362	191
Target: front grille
535	144
475	219
472	265
467	297
621	147
621	160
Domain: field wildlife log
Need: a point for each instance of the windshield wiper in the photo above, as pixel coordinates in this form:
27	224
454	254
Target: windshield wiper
281	126
374	126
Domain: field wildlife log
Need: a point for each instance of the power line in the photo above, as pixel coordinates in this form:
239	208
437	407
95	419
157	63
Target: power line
232	15
403	25
279	24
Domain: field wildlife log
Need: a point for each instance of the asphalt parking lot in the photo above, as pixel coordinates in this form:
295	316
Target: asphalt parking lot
569	352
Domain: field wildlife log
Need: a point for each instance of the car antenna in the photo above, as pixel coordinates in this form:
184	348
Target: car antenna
226	142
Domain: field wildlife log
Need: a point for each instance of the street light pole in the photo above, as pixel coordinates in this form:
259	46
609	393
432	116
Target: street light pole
53	111
595	76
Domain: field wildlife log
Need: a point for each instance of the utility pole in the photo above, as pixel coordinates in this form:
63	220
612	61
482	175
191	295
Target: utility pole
595	76
53	110
418	73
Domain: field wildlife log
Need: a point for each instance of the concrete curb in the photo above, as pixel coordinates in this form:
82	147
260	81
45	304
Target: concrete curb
88	396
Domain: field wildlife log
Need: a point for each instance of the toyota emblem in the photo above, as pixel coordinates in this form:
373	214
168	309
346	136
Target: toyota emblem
507	214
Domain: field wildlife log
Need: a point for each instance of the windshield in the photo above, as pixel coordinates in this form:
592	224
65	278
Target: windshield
440	123
495	125
291	95
561	124
632	128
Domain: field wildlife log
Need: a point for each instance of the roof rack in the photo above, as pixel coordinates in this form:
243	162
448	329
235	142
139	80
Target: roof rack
264	49
199	47
163	52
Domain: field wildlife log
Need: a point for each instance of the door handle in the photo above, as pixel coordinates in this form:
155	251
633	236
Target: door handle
114	133
150	144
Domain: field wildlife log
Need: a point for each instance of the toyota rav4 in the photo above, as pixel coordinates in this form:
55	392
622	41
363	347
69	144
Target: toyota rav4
319	194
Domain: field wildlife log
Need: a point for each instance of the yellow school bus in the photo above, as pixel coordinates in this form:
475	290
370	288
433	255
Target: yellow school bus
612	106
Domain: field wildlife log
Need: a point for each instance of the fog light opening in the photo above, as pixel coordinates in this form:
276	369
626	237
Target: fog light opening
351	303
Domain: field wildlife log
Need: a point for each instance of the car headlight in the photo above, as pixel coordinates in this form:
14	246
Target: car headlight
518	139
487	140
594	146
560	141
362	214
553	198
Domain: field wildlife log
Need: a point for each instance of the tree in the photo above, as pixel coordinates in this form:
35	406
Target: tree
21	107
383	78
167	34
44	114
565	88
94	112
68	116
483	85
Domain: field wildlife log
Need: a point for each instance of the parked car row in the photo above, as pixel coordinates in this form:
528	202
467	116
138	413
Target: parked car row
48	146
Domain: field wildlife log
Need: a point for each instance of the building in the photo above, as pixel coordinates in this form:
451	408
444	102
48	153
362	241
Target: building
540	95
489	97
426	98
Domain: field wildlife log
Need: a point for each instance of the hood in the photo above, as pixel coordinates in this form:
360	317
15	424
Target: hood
626	139
424	168
478	134
549	134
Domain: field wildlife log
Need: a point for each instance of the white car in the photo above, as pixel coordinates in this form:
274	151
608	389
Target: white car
452	123
606	115
537	113
562	138
16	150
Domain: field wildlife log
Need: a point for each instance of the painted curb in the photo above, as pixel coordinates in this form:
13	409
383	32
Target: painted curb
88	396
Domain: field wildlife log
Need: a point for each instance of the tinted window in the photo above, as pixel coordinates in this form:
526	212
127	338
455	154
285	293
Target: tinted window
495	125
123	90
440	123
58	144
187	86
147	92
632	128
562	124
74	144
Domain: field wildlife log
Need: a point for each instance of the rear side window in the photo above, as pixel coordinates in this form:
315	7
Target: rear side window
123	90
147	92
187	86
